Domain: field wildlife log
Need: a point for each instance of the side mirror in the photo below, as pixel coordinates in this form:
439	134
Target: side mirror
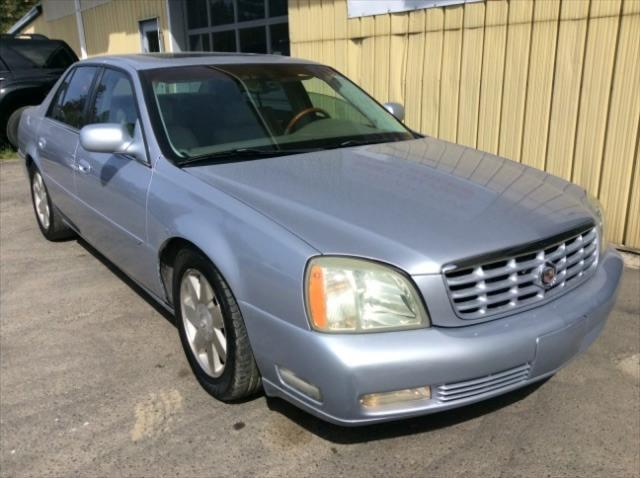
113	138
396	109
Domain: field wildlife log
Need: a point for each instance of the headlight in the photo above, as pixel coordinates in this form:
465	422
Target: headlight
598	211
355	295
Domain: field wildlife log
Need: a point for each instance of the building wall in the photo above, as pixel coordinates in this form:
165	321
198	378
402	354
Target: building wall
63	28
110	27
550	84
113	27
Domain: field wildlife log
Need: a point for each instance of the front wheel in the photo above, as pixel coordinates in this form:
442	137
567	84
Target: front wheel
49	219
212	330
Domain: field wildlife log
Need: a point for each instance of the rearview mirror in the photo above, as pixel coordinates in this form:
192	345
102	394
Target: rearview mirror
396	109
112	138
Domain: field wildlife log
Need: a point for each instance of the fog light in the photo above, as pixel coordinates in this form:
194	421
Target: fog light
376	400
302	386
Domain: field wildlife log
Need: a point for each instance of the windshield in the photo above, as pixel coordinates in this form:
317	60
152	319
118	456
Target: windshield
205	111
27	54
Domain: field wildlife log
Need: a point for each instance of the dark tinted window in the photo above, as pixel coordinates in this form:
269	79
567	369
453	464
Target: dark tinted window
196	13
55	110
72	107
253	40
224	41
114	100
199	42
26	54
250	10
280	39
277	8
221	12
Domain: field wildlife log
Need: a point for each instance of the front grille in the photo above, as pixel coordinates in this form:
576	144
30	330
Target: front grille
505	284
491	383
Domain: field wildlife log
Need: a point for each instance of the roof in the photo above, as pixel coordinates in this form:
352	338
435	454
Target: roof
27	18
147	61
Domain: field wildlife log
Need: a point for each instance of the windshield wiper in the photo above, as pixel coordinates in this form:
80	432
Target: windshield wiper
362	142
243	154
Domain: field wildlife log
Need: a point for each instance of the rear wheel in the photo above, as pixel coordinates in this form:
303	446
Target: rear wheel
12	126
49	219
212	330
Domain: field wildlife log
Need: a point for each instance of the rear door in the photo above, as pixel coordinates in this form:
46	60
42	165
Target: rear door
58	136
113	187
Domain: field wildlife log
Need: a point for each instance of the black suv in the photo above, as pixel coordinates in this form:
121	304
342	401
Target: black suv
29	66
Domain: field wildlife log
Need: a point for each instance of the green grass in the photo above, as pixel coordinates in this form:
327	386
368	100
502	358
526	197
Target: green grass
7	153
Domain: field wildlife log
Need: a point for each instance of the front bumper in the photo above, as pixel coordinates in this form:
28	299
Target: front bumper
461	365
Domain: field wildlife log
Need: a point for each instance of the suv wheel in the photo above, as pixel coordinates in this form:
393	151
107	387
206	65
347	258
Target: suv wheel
12	126
212	330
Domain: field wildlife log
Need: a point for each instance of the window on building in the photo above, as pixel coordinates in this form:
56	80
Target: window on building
224	41
252	26
199	42
196	13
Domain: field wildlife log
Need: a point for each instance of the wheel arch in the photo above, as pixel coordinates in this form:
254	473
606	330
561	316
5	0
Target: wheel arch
166	260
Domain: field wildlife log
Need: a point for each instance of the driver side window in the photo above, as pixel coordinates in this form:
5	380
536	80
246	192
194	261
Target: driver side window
114	100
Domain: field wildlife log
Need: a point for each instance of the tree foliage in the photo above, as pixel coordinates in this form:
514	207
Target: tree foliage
12	10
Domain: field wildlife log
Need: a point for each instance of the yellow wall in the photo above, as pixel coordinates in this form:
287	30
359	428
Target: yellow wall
63	28
551	84
109	28
113	27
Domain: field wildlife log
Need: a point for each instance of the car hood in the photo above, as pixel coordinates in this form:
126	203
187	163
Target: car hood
416	204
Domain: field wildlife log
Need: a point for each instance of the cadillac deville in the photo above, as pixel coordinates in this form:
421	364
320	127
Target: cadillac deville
311	245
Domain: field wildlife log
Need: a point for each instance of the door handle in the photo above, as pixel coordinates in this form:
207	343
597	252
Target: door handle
42	143
83	167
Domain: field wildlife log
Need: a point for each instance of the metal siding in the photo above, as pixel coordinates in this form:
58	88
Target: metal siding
540	83
622	129
112	27
515	78
63	29
551	84
471	74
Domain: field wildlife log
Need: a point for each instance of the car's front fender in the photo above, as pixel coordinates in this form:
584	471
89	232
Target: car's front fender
261	261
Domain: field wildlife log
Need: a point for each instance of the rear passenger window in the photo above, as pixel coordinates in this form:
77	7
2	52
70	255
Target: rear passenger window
69	107
115	102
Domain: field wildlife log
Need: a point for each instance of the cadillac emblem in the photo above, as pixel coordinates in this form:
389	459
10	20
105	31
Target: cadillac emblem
547	276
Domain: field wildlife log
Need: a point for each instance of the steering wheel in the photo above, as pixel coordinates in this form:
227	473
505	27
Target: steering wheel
302	114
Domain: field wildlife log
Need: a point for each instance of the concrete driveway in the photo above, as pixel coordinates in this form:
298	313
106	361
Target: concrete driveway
93	382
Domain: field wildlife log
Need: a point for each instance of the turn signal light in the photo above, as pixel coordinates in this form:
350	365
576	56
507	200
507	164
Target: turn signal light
377	400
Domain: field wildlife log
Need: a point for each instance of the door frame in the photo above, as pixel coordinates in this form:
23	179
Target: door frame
144	25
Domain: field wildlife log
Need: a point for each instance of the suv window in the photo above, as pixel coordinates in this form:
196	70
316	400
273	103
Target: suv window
70	101
114	100
27	54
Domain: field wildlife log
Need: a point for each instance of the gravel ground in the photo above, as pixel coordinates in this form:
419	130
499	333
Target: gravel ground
93	382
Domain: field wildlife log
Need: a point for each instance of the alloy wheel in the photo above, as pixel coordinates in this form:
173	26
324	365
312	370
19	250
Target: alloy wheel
41	201
203	322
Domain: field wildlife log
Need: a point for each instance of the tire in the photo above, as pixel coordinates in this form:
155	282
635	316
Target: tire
218	315
48	217
12	126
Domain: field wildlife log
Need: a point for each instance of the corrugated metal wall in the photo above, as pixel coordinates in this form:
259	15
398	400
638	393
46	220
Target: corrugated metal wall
109	27
64	28
113	27
552	84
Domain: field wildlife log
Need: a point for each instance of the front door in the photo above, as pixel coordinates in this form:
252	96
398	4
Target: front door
57	138
113	187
